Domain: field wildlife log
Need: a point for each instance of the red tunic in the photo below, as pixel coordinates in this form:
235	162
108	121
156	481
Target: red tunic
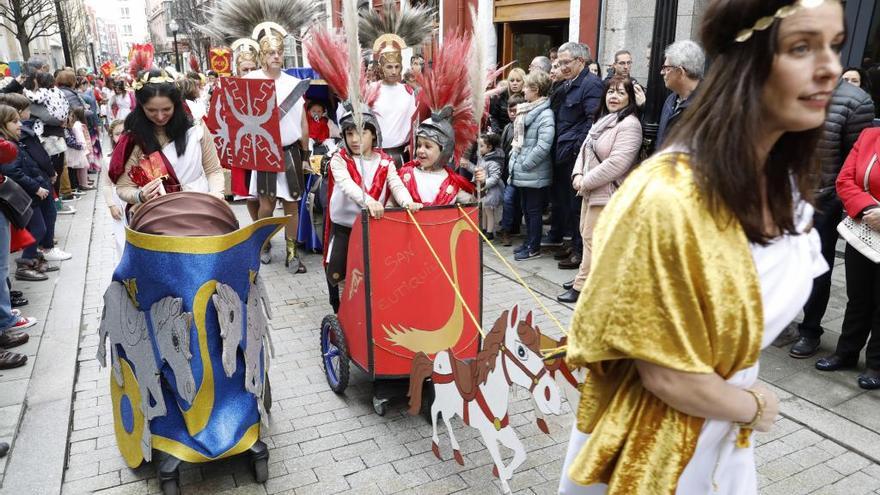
319	130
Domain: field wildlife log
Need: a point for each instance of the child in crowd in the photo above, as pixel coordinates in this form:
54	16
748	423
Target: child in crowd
492	161
511	216
111	199
78	154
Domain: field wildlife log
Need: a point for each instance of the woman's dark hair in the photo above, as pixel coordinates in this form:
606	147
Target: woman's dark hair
492	140
119	84
625	112
39	80
723	124
79	114
863	74
143	129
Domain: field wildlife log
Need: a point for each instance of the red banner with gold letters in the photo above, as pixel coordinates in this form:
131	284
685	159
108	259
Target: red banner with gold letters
396	300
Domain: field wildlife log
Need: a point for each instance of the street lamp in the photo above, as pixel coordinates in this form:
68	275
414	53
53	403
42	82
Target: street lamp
92	50
174	28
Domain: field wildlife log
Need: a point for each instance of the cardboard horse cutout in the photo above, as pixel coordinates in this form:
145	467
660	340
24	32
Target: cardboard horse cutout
478	391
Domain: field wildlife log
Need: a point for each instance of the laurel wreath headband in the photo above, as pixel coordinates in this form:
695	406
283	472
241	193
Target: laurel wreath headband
783	12
163	77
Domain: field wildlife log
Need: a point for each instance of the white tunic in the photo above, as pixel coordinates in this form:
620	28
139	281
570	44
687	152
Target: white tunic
188	166
786	269
345	205
291	127
394	109
428	183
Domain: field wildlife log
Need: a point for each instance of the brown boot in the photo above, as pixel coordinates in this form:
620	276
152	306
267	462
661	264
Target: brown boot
505	238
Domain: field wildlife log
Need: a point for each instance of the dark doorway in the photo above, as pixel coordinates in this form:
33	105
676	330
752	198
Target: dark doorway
523	41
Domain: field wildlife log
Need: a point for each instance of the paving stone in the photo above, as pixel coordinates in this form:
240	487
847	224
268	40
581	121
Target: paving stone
854	484
848	463
810	456
804	482
781	468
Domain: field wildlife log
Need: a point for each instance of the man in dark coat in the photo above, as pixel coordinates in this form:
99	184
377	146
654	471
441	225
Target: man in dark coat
682	72
578	98
850	112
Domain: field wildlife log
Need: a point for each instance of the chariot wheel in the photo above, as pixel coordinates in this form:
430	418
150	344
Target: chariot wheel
334	354
380	406
170	487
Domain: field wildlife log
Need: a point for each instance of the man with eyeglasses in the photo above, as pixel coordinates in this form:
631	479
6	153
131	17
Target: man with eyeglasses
622	65
682	72
576	100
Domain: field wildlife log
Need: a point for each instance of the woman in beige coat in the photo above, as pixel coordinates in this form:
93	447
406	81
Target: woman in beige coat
608	154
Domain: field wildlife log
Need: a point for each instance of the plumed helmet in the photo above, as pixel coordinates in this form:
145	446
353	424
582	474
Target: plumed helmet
346	121
438	128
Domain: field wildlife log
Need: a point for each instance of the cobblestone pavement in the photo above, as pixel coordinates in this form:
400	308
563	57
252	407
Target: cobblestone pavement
321	443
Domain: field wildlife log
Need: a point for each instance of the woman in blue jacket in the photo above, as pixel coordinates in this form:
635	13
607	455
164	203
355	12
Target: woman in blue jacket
531	169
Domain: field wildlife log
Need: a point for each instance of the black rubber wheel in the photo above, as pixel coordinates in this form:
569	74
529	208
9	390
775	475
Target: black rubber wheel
427	401
380	406
261	470
170	487
334	354
267	395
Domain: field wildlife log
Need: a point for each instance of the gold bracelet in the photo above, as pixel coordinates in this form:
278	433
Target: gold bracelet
759	413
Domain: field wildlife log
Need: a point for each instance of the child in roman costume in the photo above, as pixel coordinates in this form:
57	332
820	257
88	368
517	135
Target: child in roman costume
362	175
396	104
445	134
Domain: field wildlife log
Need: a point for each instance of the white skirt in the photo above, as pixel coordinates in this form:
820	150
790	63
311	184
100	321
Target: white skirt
282	192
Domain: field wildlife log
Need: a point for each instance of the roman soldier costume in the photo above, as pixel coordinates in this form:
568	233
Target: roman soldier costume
354	181
387	34
451	126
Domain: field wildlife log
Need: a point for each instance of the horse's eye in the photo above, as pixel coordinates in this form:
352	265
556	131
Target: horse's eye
231	316
175	341
521	352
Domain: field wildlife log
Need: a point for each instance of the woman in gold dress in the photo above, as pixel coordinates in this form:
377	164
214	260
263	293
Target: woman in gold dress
701	258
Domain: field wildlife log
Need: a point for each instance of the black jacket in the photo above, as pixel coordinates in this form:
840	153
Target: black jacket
669	116
579	101
25	170
850	112
498	117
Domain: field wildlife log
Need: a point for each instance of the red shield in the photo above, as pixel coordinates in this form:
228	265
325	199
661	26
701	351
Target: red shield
245	121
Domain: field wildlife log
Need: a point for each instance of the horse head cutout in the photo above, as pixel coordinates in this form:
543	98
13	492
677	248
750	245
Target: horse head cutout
172	329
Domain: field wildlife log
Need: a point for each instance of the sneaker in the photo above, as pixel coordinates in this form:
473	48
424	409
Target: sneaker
527	255
71	200
16	312
66	210
547	241
22	322
56	254
520	249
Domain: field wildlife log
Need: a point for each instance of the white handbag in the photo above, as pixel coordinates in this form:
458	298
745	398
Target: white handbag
857	233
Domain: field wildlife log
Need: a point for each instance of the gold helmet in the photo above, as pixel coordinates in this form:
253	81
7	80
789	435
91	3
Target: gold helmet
245	50
393	30
266	22
270	37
